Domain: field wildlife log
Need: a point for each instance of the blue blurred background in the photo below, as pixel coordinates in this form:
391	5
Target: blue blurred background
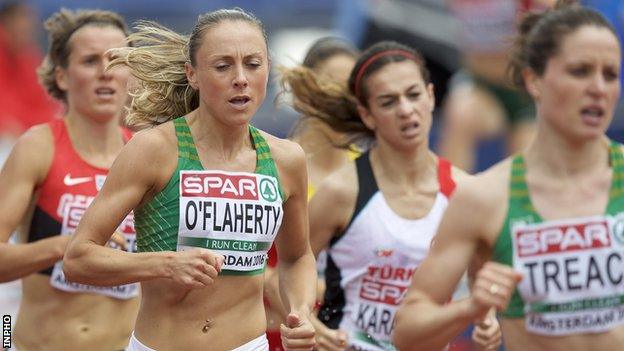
292	26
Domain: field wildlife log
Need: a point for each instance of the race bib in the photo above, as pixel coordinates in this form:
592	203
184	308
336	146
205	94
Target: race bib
381	291
573	274
236	214
72	213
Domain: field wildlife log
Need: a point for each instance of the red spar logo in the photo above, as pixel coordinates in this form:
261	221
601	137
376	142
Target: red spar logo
238	187
561	238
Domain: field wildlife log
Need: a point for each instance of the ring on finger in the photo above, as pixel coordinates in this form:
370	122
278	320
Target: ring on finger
494	289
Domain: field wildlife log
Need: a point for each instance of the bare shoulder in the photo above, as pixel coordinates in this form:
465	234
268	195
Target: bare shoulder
38	139
151	155
459	174
341	186
291	165
33	152
154	147
160	135
335	198
484	196
286	153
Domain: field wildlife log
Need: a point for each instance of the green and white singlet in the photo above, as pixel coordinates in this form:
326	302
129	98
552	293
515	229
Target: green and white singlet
236	214
573	268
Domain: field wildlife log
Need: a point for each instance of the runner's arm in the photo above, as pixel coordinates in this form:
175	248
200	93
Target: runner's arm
332	206
425	321
296	267
25	168
130	179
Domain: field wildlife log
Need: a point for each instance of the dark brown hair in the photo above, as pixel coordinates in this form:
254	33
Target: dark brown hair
541	34
326	48
336	105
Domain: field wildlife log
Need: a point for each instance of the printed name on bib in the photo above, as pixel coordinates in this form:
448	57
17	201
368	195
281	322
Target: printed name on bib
236	214
573	273
382	290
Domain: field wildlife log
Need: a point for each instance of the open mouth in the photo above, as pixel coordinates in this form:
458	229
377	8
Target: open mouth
239	100
592	115
409	127
104	92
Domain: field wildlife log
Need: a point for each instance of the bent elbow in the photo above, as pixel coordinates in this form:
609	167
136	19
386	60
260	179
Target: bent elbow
72	269
68	269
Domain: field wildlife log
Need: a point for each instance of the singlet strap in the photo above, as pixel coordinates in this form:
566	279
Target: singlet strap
58	129
265	164
616	154
445	178
186	145
367	185
126	134
518	189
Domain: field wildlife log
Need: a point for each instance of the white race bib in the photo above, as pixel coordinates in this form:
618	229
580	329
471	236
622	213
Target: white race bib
573	274
236	214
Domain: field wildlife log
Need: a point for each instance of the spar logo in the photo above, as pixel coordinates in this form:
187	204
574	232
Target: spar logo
549	238
386	284
618	230
219	185
383	292
268	190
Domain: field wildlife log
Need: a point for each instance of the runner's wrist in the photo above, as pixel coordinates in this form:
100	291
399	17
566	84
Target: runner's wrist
469	310
163	267
53	246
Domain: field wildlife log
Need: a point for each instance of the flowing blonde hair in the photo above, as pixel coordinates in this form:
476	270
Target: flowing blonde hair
161	91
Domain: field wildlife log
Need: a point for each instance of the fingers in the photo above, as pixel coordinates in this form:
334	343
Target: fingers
494	285
219	263
297	334
292	320
487	334
297	338
205	273
197	268
215	260
330	340
117	240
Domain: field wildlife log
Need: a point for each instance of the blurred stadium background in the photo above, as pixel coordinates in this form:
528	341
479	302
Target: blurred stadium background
292	26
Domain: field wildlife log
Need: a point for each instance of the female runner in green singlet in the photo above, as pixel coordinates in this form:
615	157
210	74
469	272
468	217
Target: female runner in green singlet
210	194
550	218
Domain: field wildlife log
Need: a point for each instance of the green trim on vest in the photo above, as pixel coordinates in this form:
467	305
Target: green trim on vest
157	221
520	209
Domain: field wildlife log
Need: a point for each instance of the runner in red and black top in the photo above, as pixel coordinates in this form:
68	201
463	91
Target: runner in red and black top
49	179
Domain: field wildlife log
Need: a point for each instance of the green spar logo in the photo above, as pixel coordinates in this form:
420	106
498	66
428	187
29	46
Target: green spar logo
618	230
268	190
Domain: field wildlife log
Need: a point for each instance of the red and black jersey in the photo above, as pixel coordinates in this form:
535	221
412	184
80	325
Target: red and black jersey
69	187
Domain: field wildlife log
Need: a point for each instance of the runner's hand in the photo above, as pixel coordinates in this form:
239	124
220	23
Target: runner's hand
487	334
328	339
117	241
297	333
194	268
493	286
